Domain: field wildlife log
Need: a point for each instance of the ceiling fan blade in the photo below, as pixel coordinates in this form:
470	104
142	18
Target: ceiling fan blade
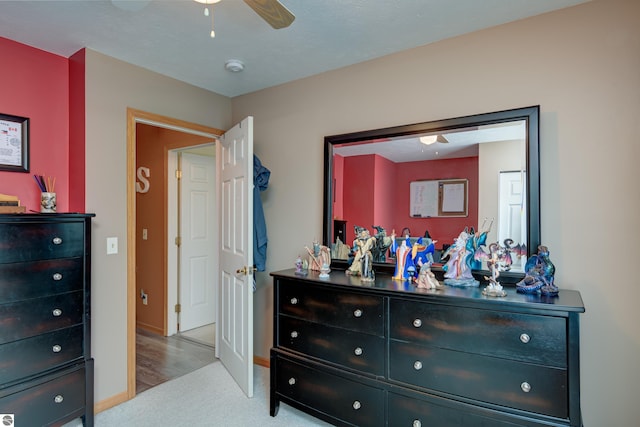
273	12
442	139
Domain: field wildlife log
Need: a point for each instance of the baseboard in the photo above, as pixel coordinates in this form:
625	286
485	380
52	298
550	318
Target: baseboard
110	402
150	328
261	361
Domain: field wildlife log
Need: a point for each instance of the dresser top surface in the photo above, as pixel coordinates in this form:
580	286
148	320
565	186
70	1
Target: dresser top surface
565	301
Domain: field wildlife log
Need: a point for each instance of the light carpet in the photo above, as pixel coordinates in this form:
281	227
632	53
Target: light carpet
206	397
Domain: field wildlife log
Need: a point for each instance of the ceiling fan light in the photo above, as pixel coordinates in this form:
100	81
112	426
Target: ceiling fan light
429	139
207	1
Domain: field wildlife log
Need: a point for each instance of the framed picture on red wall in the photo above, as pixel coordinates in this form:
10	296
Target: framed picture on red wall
14	143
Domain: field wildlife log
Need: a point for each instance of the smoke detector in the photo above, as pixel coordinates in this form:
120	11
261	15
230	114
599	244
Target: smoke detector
234	65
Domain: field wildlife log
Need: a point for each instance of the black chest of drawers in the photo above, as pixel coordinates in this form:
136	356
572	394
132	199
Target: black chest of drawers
46	369
389	354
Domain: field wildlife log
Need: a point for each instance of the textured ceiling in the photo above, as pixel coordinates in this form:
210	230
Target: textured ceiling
171	37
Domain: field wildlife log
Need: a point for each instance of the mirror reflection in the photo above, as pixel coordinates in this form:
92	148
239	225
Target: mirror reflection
428	182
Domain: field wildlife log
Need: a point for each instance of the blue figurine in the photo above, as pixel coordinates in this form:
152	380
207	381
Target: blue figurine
539	276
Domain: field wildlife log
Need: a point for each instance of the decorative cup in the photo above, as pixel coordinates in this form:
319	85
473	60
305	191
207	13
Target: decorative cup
47	202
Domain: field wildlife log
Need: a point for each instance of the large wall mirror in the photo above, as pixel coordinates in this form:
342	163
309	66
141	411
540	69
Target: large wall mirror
435	179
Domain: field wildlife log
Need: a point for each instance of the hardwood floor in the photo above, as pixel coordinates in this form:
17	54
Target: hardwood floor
159	359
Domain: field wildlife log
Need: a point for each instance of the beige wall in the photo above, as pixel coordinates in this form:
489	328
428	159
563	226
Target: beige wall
582	66
111	87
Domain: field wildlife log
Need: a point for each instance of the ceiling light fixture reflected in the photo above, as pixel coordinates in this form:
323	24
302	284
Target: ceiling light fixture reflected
432	139
206	12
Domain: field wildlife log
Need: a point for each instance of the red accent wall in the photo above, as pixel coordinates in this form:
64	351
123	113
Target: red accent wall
77	132
338	169
36	85
389	196
358	198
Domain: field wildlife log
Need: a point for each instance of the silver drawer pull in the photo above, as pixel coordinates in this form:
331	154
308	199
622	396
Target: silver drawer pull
57	312
357	313
57	277
417	423
57	240
357	405
292	381
294	300
417	365
58	398
417	323
294	334
526	387
525	338
56	348
358	351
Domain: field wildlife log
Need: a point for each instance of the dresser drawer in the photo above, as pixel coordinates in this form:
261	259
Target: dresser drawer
509	383
409	411
357	312
352	349
40	315
26	241
349	401
48	400
27	357
524	337
19	281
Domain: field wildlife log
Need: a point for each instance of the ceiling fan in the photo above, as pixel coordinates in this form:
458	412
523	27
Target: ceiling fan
272	11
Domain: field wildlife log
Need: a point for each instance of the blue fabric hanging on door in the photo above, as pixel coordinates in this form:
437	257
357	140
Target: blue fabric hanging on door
260	183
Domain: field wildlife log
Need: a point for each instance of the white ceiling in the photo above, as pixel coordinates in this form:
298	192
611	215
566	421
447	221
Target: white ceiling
461	143
171	37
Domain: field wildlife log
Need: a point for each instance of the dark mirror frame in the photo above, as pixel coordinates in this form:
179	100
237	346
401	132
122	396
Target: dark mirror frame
532	117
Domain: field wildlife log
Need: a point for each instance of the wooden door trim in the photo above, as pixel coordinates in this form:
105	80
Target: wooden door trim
138	116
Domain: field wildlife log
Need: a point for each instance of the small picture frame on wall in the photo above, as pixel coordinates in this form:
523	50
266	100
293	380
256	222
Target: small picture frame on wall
14	143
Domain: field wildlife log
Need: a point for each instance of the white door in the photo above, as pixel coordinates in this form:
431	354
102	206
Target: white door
513	211
197	272
234	330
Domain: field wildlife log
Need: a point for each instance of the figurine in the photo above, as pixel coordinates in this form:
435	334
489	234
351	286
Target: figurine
403	260
319	256
382	244
426	279
458	267
539	275
496	260
299	267
476	241
362	246
324	271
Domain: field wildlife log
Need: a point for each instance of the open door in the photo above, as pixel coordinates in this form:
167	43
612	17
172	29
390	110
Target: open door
234	330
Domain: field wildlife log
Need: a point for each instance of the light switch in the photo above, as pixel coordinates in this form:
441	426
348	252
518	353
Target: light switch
112	245
144	234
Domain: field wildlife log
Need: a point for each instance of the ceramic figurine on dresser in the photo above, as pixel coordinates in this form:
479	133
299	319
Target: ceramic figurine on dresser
461	258
383	242
319	256
362	264
497	260
539	275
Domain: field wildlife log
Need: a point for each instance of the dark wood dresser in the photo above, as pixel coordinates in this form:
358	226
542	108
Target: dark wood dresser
388	354
46	369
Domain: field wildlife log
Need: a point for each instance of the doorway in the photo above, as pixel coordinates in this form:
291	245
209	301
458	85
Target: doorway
139	298
192	217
